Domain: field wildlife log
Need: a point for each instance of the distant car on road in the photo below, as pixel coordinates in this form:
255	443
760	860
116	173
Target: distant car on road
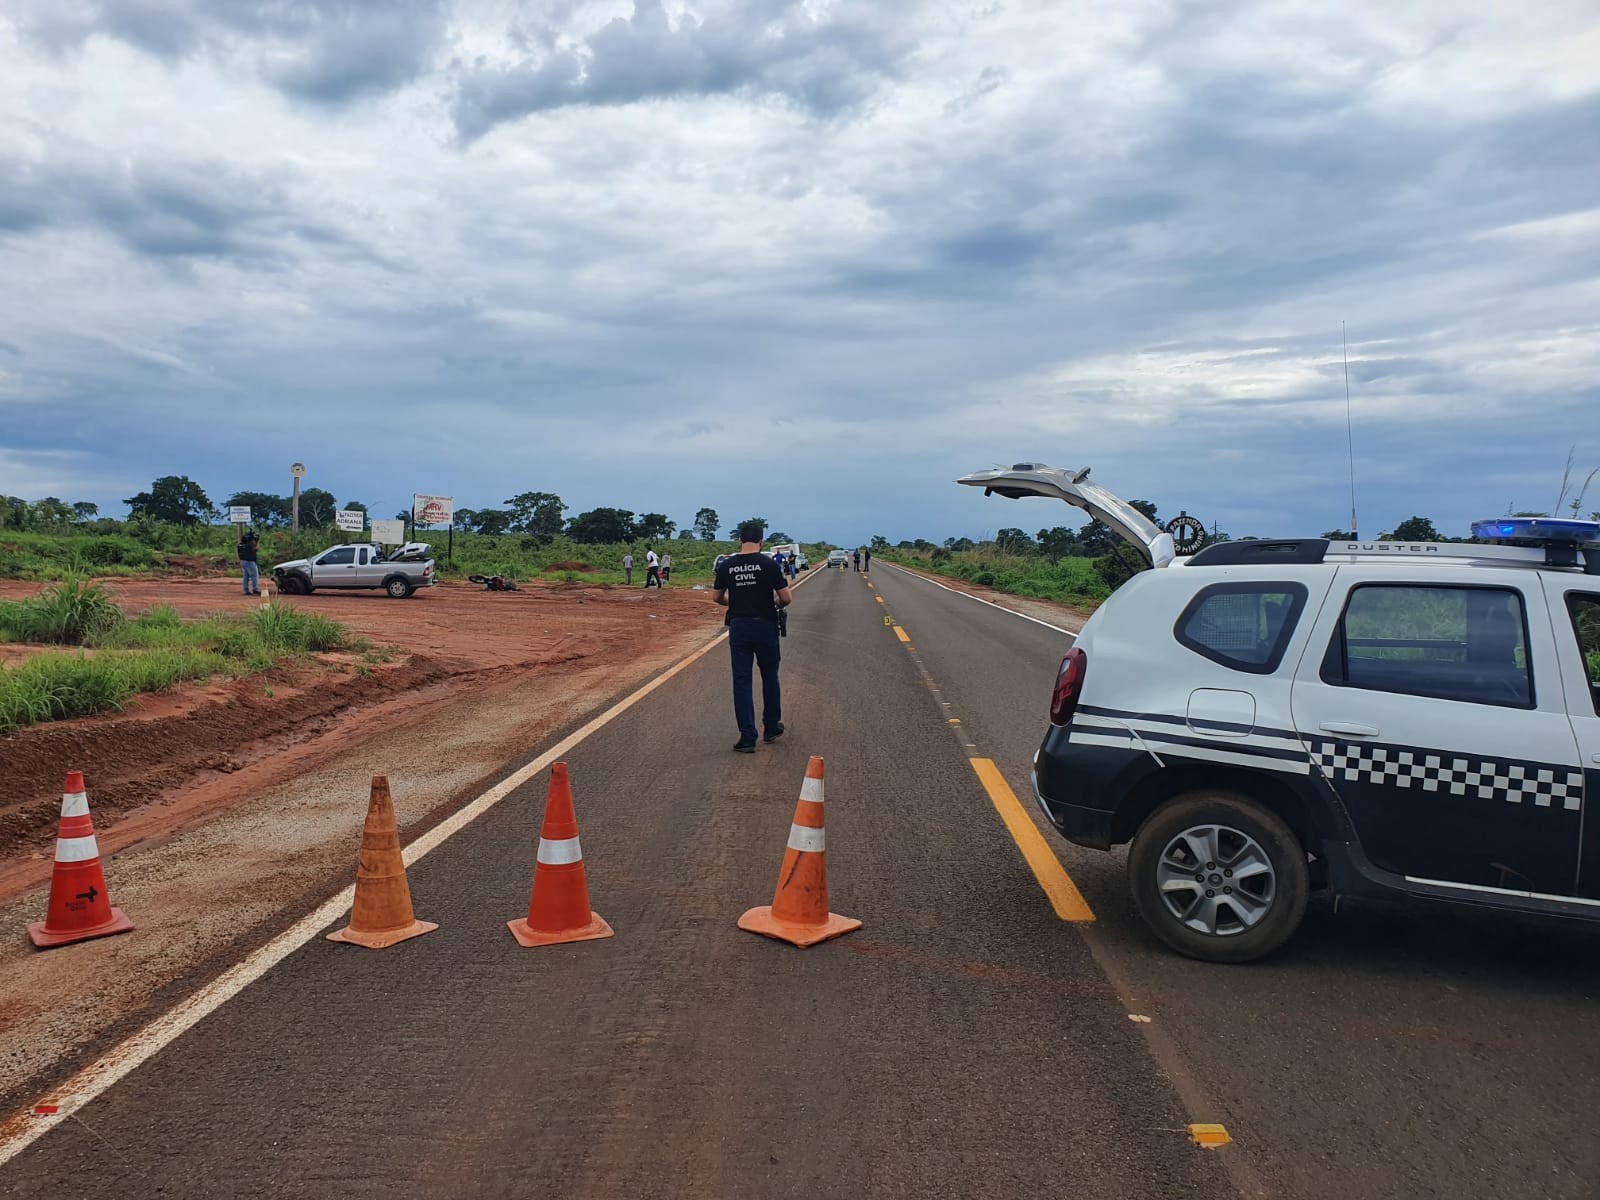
838	558
399	574
1389	720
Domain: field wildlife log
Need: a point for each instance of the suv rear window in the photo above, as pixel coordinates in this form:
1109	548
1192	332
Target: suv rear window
1245	626
1452	643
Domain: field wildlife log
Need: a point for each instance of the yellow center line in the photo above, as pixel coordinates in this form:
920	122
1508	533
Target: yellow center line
901	634
1047	869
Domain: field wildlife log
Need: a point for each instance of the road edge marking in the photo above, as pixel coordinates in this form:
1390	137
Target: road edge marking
998	607
23	1127
1063	894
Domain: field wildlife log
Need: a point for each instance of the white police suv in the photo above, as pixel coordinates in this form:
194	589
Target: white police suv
1386	719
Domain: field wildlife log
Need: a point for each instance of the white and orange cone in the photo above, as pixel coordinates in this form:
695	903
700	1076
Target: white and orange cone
79	908
558	909
799	912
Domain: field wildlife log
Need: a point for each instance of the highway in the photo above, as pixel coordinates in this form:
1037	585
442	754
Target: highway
968	1041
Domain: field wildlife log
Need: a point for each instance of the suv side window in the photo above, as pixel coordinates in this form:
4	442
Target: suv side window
1585	611
1244	626
1452	643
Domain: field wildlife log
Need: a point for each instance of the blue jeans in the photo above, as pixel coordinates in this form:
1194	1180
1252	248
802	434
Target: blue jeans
252	577
754	638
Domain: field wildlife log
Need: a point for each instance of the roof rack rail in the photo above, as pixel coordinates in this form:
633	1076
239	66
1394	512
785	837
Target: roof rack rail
1297	551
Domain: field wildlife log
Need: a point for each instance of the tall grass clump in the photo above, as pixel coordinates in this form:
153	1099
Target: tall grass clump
58	686
296	631
68	614
146	654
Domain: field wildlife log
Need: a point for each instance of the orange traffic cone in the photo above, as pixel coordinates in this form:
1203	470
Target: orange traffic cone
799	910
558	910
79	908
381	914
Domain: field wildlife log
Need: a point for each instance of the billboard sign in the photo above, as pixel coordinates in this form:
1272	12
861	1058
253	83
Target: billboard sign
432	510
239	514
389	533
351	520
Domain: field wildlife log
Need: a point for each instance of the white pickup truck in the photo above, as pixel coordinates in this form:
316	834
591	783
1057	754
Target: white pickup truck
399	573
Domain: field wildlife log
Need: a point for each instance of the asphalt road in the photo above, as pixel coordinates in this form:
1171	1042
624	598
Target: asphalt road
966	1042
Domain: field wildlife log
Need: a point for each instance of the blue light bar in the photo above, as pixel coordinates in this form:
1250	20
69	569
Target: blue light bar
1542	530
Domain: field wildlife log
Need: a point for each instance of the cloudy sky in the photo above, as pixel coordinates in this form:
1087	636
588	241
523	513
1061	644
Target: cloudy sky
809	260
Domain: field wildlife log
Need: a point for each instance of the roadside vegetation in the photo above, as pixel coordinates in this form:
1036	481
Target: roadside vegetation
209	550
115	657
174	530
1068	580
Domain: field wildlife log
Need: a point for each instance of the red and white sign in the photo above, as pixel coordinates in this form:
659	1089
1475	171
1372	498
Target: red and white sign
432	510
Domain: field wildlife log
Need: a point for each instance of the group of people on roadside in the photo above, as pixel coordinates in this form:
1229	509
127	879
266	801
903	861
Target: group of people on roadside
788	565
862	559
657	568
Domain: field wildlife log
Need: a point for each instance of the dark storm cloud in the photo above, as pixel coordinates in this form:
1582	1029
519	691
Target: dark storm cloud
323	51
167	210
770	48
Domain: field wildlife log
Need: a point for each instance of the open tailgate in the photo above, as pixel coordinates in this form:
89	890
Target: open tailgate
1073	486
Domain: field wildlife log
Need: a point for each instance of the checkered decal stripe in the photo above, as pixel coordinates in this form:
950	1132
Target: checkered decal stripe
1543	785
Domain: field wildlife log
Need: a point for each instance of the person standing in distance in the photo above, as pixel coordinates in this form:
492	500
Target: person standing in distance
652	569
752	588
866	562
627	569
249	544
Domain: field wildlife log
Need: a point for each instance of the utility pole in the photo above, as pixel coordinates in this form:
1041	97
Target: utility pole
298	470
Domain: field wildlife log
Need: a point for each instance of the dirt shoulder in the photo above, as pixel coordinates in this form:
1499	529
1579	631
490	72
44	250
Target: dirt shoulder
222	809
1052	612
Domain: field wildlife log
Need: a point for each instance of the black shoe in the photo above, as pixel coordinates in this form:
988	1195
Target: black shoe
774	734
744	747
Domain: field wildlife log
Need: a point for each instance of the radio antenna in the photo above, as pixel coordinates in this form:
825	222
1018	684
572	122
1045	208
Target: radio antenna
1350	436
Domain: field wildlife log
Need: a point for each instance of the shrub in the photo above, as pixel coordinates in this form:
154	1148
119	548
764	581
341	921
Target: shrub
70	613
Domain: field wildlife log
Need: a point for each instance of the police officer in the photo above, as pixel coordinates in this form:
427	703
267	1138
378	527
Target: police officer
753	589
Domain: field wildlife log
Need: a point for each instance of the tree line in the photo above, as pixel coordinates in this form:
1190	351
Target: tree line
179	500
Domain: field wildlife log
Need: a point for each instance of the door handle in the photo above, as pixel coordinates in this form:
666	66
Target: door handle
1349	728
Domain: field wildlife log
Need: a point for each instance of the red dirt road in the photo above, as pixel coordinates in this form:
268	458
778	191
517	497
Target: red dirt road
165	746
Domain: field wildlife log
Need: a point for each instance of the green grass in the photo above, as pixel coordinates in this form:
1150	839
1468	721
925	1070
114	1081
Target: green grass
57	685
70	614
147	654
136	548
1068	580
523	558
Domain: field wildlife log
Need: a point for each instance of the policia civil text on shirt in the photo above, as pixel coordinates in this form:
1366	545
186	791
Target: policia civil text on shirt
754	591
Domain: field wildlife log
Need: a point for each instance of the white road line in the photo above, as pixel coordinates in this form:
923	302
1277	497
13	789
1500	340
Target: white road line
979	599
23	1127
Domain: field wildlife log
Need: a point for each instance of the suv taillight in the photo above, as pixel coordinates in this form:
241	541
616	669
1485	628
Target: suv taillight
1069	686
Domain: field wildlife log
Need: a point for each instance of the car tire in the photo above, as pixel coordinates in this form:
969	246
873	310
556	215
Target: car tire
398	587
291	585
1250	877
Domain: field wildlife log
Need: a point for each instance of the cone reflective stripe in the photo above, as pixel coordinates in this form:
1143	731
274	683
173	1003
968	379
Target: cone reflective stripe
79	908
799	912
382	913
558	910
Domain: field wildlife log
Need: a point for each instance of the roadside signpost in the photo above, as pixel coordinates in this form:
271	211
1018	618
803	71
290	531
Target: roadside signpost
436	510
239	514
298	470
351	520
1188	533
